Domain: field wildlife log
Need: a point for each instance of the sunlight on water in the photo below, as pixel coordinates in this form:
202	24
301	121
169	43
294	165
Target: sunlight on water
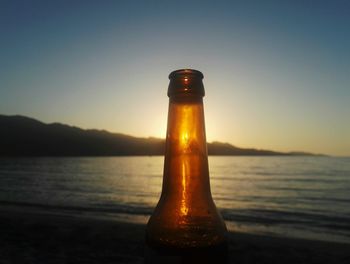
292	196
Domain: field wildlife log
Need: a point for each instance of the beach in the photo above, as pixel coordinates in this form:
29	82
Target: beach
35	236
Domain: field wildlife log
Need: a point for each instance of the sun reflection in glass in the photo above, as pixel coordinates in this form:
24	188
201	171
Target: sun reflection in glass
184	207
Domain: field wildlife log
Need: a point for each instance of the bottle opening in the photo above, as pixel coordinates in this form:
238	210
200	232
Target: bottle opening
186	82
184	72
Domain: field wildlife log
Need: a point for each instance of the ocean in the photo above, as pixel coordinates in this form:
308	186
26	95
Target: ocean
301	196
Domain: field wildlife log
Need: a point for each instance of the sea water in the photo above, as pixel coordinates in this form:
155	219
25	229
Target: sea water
294	196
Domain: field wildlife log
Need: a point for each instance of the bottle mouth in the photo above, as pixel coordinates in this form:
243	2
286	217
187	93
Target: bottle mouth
184	72
186	82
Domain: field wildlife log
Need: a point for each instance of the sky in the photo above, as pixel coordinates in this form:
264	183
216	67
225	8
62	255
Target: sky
276	73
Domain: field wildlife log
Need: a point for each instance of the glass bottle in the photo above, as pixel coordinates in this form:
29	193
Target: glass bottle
185	226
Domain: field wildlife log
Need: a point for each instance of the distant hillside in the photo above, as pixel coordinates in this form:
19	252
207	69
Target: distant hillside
23	136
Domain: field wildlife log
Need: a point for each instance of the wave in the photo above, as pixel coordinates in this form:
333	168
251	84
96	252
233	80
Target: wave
252	216
117	208
266	216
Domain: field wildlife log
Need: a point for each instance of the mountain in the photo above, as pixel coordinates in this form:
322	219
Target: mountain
24	136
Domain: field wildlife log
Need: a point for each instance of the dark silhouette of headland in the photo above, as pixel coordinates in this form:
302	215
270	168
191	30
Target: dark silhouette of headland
24	136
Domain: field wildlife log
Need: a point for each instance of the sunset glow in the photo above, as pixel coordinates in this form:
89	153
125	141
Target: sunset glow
270	82
176	132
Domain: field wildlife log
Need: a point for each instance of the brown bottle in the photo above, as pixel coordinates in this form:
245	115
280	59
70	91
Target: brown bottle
186	227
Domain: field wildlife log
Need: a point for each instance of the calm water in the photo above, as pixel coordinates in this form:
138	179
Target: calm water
290	196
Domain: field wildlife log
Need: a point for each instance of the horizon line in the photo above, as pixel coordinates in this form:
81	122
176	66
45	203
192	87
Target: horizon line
164	138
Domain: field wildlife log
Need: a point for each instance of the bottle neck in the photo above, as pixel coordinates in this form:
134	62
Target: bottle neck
186	173
186	126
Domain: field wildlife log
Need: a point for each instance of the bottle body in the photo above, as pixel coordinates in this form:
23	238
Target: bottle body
186	226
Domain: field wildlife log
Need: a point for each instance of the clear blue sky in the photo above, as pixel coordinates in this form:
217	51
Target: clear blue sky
277	73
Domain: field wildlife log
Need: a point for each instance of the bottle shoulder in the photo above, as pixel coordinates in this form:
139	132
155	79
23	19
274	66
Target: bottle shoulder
172	228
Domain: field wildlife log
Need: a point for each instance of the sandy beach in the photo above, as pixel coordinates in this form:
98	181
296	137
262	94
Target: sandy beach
31	236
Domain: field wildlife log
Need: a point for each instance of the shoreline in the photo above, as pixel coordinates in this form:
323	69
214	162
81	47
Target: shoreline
42	237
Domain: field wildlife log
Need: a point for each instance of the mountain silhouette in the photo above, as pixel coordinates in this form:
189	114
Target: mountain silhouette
24	136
